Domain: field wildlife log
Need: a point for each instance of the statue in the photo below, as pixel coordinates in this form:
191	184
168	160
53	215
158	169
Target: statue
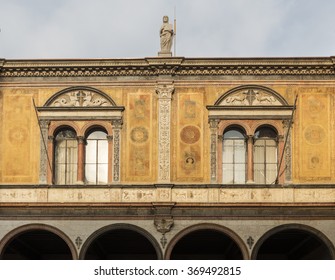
166	37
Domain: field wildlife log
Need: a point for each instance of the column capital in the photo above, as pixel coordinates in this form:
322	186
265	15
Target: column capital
213	123
81	139
165	90
44	124
280	138
117	124
250	138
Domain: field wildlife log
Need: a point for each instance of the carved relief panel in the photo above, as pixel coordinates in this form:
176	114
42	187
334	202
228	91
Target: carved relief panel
80	98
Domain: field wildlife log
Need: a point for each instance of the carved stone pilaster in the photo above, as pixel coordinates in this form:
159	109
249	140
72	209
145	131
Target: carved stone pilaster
287	153
117	125
164	121
213	125
44	125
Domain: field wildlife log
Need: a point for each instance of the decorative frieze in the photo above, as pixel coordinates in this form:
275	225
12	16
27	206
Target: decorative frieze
170	66
164	92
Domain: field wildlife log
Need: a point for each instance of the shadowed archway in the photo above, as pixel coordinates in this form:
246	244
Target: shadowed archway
121	242
206	242
37	242
293	242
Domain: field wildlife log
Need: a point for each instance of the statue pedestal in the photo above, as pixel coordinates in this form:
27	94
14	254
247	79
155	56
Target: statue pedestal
165	54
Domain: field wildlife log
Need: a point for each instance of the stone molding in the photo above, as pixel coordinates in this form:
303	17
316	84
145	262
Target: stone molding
169	66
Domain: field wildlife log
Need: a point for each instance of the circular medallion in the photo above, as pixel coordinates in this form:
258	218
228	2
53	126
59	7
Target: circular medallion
314	134
315	106
139	134
190	134
17	135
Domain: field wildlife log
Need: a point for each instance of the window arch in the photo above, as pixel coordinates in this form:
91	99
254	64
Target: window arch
66	156
234	156
96	157
251	106
81	108
265	155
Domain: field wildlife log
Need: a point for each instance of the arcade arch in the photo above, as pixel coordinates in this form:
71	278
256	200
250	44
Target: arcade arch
37	242
207	241
293	242
121	241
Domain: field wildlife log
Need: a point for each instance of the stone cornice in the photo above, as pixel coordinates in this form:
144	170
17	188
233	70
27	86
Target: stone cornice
175	66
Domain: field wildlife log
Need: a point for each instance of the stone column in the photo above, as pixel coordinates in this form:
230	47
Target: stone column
117	125
287	153
164	92
110	158
44	126
280	154
250	160
81	160
213	125
50	172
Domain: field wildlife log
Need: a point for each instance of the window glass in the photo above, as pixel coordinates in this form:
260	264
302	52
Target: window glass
66	157
96	163
234	157
265	156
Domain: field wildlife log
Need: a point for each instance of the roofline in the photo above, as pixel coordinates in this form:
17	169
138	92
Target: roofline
153	66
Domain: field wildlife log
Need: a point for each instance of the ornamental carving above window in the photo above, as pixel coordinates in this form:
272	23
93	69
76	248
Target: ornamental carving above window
80	98
252	96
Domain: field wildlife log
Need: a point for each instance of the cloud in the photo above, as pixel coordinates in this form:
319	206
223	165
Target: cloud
205	28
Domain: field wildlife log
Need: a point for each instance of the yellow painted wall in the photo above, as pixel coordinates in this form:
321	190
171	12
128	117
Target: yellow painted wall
19	137
313	155
314	135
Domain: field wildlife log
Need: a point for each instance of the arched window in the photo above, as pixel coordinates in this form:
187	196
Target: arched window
96	162
234	157
66	157
265	156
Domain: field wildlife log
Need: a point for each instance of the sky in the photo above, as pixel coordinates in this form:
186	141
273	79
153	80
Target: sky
56	29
